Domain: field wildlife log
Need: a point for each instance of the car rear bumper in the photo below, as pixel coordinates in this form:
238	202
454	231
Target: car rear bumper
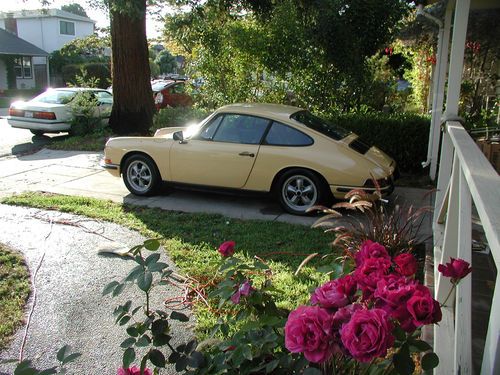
340	191
47	126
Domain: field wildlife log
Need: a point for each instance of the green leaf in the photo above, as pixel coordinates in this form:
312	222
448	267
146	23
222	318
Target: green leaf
312	371
157	358
272	365
430	361
127	343
132	331
152	259
144	340
181	363
152	244
134	273
420	345
196	360
403	363
161	340
159	327
144	362
158	267
119	288
128	357
71	358
179	316
144	281
399	333
49	371
134	311
110	287
246	351
125	320
61	353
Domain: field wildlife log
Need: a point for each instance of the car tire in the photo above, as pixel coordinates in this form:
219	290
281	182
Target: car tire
37	132
300	189
140	175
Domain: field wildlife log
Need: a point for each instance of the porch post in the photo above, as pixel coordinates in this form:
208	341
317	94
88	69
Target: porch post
453	93
438	90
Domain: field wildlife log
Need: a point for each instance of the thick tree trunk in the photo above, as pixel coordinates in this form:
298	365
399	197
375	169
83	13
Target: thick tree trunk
133	105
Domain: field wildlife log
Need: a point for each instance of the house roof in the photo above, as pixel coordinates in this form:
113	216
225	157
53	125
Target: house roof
13	45
44	13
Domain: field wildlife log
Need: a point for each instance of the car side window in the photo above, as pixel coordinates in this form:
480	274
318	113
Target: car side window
104	97
208	131
283	135
241	129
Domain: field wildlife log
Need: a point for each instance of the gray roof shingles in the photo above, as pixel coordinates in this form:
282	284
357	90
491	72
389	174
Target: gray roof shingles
13	45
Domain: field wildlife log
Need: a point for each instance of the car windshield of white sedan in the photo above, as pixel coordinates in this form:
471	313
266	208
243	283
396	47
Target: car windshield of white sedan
324	127
55	97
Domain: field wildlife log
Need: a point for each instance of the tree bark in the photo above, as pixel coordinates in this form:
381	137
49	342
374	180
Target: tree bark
133	105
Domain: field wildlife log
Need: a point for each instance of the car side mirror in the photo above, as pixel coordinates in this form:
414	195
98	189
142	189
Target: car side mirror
179	136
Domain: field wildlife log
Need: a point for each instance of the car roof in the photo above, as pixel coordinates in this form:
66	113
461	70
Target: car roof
276	111
75	89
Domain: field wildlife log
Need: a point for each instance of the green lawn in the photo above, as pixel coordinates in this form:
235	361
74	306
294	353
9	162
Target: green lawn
191	241
14	292
89	142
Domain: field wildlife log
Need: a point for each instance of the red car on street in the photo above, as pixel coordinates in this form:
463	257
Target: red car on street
170	93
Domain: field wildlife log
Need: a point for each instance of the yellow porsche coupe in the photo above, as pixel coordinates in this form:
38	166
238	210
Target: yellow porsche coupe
284	150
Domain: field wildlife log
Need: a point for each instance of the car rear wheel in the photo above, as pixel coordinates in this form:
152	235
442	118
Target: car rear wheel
299	190
140	175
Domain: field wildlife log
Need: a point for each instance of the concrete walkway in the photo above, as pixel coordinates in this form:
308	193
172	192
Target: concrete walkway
69	306
78	173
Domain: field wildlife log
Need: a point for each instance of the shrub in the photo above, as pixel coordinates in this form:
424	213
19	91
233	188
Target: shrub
180	116
84	120
402	136
100	71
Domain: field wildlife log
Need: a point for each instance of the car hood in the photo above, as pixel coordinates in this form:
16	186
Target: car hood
168	132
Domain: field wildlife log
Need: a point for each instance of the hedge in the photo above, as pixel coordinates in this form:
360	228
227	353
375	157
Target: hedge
102	71
402	136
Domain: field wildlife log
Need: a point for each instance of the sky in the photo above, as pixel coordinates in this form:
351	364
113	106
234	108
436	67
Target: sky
153	27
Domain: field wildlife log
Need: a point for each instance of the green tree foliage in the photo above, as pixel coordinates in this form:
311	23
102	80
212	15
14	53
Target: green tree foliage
75	9
308	53
165	61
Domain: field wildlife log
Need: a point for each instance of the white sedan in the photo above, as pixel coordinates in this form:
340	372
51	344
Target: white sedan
50	112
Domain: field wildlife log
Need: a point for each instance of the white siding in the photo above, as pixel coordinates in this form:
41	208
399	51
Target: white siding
44	33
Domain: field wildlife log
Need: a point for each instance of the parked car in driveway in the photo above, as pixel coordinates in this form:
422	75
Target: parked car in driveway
50	112
254	147
170	93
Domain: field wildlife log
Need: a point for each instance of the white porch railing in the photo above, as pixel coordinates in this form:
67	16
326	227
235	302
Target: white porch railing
464	173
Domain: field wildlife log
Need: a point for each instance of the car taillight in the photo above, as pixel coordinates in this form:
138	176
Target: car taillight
44	115
16	112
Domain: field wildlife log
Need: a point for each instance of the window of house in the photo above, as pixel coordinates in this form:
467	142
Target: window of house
22	67
67	28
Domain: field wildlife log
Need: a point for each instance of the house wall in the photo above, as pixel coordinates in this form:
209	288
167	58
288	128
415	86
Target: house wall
44	32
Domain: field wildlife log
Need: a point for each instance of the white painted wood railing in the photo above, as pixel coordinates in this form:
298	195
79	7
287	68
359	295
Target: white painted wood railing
465	176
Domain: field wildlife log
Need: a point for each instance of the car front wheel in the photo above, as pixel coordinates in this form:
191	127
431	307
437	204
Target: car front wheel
140	175
299	190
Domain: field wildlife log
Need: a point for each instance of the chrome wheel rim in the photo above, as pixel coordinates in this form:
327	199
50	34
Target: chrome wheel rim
299	193
139	176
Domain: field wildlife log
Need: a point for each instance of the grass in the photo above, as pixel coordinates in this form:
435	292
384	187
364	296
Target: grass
89	142
14	292
191	241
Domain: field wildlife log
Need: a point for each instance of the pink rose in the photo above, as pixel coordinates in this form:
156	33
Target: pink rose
370	249
457	269
393	291
406	264
134	370
334	294
368	334
243	290
369	273
423	308
226	249
342	316
308	330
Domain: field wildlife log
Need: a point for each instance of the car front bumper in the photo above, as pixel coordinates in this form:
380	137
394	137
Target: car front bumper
46	126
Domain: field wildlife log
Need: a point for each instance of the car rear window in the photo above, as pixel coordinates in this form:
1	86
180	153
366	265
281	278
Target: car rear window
55	97
324	127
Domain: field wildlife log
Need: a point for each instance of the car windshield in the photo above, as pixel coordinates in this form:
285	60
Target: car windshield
324	127
55	97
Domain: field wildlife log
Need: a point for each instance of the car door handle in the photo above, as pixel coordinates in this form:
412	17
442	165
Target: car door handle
246	153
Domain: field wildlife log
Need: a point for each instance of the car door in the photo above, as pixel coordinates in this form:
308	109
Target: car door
222	154
105	103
